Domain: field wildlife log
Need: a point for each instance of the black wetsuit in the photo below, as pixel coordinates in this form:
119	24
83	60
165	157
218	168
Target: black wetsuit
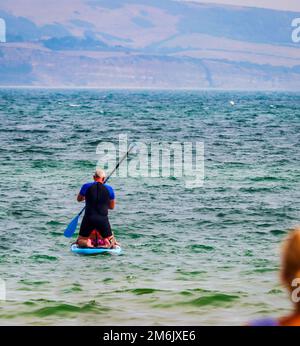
97	200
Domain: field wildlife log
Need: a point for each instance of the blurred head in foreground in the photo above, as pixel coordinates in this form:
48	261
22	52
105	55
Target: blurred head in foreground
290	266
290	276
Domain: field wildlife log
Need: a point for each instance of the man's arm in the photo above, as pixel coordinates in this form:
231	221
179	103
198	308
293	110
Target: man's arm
82	192
112	197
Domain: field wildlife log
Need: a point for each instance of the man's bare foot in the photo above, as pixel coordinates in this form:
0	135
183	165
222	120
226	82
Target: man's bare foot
85	242
89	243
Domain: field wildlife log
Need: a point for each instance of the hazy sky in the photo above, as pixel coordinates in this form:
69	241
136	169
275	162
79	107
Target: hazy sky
288	5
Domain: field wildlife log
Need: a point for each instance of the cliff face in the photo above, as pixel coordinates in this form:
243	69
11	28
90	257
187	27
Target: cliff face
147	43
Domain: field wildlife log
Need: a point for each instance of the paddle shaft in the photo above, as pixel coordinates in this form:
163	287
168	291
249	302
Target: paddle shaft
119	163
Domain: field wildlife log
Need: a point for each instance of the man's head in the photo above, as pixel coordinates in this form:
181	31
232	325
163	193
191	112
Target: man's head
99	175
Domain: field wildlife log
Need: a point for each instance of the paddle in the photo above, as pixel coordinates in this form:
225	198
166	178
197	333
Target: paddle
70	230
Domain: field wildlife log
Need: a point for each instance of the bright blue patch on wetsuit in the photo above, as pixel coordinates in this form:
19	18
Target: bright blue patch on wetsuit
86	186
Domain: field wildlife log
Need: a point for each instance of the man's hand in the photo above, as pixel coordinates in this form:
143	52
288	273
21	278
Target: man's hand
112	204
80	198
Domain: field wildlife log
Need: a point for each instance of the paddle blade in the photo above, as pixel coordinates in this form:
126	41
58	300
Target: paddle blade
70	230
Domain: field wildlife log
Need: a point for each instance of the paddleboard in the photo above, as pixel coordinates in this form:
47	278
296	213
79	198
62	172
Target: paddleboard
94	251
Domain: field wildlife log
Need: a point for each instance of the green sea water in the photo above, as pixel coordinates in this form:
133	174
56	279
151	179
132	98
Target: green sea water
204	256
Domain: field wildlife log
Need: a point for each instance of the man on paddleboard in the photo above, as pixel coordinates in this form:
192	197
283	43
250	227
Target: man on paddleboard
95	228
